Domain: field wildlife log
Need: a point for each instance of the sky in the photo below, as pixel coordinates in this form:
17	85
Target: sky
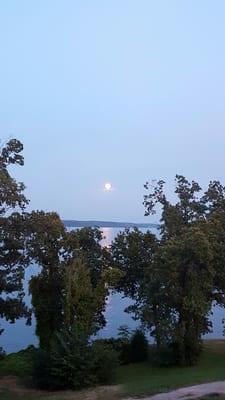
123	91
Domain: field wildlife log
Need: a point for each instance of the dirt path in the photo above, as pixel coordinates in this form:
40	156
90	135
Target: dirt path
191	392
109	392
14	389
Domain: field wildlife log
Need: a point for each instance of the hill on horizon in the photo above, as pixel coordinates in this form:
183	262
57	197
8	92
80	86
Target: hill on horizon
107	224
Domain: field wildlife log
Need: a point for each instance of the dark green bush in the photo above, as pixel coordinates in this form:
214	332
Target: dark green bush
121	347
67	364
105	361
186	352
125	354
41	373
71	360
2	353
112	343
163	357
73	363
124	336
138	347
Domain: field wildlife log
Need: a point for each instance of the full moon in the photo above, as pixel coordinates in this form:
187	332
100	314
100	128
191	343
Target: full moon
108	186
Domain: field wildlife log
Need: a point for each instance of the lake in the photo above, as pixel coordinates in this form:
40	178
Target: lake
18	336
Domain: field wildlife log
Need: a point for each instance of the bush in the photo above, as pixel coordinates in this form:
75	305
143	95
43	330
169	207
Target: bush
164	357
105	361
186	352
138	347
67	364
18	364
112	343
73	363
41	372
2	353
121	347
71	360
124	337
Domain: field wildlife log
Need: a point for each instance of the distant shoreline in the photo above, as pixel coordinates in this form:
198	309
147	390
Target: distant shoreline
107	224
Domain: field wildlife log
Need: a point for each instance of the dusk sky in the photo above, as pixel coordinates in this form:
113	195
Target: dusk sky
112	90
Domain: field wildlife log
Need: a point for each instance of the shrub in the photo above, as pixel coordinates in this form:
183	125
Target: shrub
105	361
186	352
67	364
124	336
41	373
2	353
164	357
138	347
112	343
73	363
71	360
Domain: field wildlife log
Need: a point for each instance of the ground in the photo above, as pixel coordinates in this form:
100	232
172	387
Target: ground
132	380
12	389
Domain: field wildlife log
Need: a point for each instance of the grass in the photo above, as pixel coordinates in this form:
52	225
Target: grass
135	380
18	364
144	379
213	397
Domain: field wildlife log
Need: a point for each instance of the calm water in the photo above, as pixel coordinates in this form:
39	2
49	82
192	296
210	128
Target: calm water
18	336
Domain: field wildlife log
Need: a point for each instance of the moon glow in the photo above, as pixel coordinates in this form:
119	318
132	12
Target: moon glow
108	186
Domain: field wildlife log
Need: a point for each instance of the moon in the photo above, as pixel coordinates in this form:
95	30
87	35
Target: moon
108	186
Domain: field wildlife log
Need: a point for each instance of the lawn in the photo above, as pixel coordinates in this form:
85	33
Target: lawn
18	364
143	379
134	380
213	397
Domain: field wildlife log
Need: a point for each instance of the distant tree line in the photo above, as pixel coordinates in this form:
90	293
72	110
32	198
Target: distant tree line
173	279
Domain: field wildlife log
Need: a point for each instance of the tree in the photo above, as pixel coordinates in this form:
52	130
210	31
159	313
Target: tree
188	268
132	252
13	259
190	263
46	233
71	360
85	243
55	249
174	280
83	302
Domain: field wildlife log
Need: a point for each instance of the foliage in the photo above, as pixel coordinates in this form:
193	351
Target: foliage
85	244
73	362
188	278
18	364
68	361
105	362
140	379
124	337
174	280
138	347
13	258
131	347
83	302
41	367
45	232
132	252
59	253
124	333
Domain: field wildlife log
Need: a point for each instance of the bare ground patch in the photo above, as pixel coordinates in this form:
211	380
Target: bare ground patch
12	388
